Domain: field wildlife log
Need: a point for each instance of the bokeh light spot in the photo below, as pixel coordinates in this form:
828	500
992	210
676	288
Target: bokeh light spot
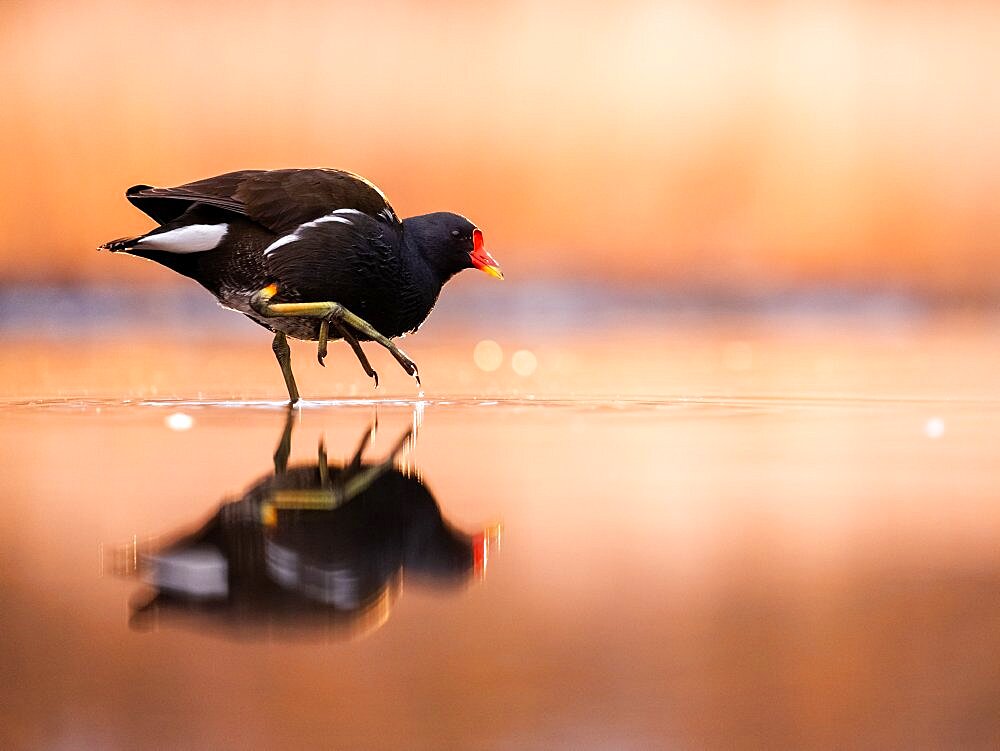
524	362
488	355
179	421
934	427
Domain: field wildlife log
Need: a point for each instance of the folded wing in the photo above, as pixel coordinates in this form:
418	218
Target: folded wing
279	200
343	256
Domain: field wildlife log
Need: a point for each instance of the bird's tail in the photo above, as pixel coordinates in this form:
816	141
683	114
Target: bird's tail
122	243
182	263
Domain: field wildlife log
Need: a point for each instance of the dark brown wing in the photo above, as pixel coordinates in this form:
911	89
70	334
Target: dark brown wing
166	204
279	200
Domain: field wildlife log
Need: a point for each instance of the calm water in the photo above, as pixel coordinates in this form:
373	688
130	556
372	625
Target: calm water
789	561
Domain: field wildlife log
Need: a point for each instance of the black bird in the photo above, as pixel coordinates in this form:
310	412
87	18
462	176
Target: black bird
314	549
314	254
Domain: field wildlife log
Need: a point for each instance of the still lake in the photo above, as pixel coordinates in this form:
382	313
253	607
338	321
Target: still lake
732	538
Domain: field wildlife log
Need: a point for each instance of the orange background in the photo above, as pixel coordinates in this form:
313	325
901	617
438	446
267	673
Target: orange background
710	145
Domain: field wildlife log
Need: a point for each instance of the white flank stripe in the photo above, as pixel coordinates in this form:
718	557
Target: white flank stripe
279	242
286	239
196	572
195	238
322	219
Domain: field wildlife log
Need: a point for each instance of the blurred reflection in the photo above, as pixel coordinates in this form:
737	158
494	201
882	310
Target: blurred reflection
311	549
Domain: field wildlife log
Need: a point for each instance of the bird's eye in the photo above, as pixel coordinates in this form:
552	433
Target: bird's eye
455	233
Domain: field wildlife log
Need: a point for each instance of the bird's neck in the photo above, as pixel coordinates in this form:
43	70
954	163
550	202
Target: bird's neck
422	281
423	248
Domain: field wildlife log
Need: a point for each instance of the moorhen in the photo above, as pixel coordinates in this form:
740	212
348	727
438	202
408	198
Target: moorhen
314	549
304	251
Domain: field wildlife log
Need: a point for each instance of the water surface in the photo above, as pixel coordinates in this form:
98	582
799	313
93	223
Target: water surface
724	565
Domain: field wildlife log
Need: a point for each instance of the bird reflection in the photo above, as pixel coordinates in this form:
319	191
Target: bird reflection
314	549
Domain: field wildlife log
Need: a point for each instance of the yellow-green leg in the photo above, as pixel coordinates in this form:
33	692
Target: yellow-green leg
334	313
347	336
354	480
366	440
323	465
284	447
360	480
284	355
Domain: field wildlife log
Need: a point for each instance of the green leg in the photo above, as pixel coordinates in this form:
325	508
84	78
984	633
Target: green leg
355	479
362	326
324	335
284	355
366	441
333	312
347	336
323	465
359	481
285	444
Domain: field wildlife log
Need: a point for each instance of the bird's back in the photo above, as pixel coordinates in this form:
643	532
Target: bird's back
317	235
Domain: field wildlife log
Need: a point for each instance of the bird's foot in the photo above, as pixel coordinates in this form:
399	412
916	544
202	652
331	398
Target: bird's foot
347	336
283	353
335	314
411	369
408	365
324	333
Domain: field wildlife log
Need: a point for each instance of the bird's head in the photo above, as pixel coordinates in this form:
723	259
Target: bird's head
450	243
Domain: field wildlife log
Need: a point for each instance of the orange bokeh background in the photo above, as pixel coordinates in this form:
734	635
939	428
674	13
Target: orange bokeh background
716	145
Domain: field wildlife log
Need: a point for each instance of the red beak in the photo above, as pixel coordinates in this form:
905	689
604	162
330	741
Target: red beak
480	257
485	544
